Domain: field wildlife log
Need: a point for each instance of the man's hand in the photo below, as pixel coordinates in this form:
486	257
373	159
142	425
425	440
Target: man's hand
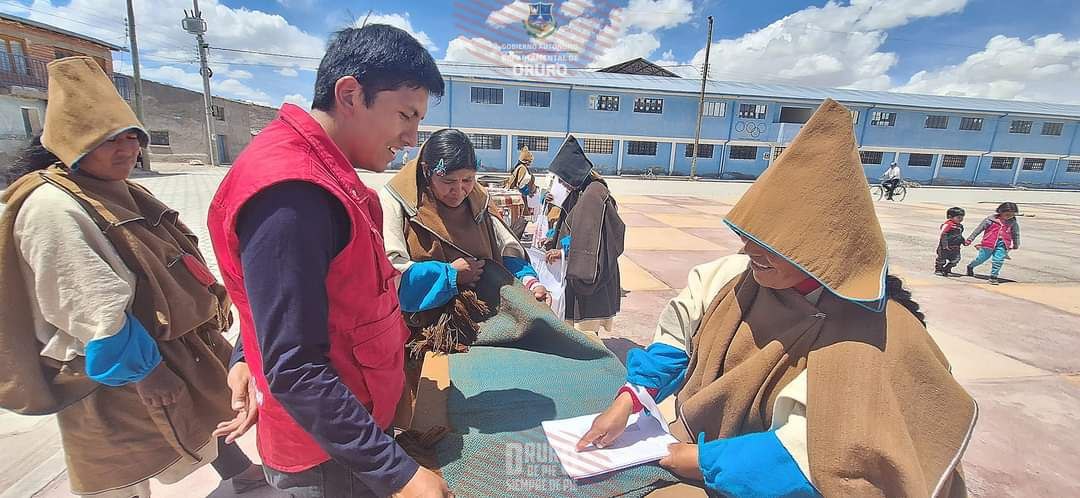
553	255
425	484
242	386
468	270
682	460
161	387
541	293
608	426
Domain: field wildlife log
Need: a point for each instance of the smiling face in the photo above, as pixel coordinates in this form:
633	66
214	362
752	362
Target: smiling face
113	159
453	188
770	270
374	134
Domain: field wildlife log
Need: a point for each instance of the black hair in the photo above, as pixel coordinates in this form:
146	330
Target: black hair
381	58
450	146
33	157
894	289
1008	207
954	212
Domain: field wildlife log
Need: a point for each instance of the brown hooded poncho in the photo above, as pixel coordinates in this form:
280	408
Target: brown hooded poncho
111	439
885	417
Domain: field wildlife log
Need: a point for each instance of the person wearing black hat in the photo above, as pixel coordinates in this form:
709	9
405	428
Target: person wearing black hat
589	233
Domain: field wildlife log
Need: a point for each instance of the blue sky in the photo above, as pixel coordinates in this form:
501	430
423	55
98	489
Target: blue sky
988	48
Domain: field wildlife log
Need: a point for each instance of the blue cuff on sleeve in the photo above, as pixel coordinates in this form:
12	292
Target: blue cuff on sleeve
127	356
660	366
752	465
519	267
550	233
565	243
427	285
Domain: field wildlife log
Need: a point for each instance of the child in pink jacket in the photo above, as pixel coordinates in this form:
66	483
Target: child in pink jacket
1001	234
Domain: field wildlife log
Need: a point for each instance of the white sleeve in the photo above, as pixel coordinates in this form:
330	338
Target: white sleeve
508	244
789	421
393	231
681	317
80	284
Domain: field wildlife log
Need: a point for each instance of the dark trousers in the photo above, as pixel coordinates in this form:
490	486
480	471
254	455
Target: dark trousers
231	460
890	187
947	259
329	480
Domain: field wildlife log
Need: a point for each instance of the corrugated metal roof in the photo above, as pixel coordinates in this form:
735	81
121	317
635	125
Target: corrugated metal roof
630	82
49	27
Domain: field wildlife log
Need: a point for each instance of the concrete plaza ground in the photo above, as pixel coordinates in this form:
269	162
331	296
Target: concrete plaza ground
1014	346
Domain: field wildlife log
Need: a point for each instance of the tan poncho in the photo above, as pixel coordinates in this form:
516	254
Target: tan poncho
885	416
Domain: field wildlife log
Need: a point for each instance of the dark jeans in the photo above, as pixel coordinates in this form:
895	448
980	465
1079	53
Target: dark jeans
946	259
890	187
231	460
329	480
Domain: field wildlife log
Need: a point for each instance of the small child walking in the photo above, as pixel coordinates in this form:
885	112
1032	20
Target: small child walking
1001	234
950	241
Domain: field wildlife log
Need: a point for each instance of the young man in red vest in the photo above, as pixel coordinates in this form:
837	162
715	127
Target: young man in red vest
298	239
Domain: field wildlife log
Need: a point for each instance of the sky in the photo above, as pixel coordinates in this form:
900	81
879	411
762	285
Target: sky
1005	49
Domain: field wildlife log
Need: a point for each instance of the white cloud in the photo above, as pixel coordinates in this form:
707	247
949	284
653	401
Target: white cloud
479	50
574	8
652	15
1044	68
833	45
298	99
629	47
404	22
288	72
230	87
513	12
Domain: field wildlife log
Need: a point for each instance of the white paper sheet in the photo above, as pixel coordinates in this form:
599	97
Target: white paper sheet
558	191
552	277
645	440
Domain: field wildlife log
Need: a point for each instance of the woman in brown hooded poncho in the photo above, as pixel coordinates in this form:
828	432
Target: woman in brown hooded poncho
108	315
800	367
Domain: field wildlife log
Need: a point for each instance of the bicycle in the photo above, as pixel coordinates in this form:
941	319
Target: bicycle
877	191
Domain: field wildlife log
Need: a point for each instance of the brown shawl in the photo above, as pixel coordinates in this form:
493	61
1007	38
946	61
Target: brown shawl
884	415
436	232
110	438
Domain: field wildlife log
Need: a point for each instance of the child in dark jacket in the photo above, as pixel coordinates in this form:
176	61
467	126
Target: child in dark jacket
1001	234
950	240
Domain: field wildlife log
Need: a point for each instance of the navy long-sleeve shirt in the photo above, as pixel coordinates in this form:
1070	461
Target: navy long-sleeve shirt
289	234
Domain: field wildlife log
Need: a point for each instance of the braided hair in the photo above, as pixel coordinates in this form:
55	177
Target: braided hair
894	289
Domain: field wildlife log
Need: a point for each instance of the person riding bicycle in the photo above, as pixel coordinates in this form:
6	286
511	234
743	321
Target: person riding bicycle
891	179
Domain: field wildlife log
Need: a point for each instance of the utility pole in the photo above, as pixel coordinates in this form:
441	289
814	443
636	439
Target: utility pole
194	23
701	106
137	78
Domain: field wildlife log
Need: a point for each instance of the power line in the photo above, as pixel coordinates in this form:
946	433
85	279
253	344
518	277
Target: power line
84	20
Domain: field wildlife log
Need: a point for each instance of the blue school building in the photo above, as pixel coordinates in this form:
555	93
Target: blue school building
630	124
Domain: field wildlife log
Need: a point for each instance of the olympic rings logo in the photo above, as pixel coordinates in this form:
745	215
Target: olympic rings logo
750	128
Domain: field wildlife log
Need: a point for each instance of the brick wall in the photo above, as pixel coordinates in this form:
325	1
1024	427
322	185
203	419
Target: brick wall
42	44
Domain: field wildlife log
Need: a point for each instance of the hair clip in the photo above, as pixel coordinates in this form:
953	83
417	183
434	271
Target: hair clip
477	164
440	169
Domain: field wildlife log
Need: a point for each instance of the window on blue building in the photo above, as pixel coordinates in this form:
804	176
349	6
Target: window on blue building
936	122
1032	164
604	102
871	157
1002	162
634	148
649	105
598	146
796	115
530	98
971	124
742	152
714	109
704	150
922	160
952	161
536	144
486	142
1020	126
484	95
422	136
1053	129
752	111
879	118
1073	167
